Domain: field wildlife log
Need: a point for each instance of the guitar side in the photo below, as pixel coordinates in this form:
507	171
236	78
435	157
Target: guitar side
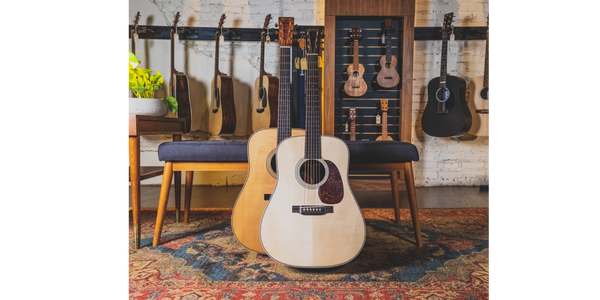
260	182
267	118
309	241
224	120
480	125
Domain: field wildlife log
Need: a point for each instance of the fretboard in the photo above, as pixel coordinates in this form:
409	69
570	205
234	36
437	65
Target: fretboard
172	64
486	76
283	113
312	147
443	70
388	48
384	126
217	36
353	130
355	58
262	59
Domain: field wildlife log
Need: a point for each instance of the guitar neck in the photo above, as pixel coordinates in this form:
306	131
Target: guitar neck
133	41
443	70
172	64
486	76
353	130
218	35
312	147
355	58
262	59
283	111
388	48
384	125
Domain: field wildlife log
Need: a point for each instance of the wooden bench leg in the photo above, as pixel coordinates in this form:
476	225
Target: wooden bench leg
412	200
162	203
177	175
189	179
395	194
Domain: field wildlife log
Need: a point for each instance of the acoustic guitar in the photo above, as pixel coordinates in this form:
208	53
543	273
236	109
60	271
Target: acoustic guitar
388	76
478	92
446	113
179	84
312	219
384	127
352	119
264	110
222	117
355	86
262	169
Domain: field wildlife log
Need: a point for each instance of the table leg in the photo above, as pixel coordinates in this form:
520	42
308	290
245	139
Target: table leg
177	174
134	173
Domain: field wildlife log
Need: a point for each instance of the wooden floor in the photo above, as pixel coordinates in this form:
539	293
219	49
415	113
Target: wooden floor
369	193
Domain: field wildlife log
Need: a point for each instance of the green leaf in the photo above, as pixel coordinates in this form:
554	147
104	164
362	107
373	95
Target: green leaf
170	104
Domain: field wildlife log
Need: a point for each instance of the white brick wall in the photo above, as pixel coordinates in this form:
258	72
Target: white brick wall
443	161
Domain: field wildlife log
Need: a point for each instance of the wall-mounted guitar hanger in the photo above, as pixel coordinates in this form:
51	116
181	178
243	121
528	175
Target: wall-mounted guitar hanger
253	34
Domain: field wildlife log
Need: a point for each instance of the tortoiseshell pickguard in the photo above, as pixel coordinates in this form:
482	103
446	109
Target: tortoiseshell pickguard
332	191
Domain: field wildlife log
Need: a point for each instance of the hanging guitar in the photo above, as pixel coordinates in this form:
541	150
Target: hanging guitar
179	83
222	116
479	103
264	111
446	113
262	169
134	35
355	86
312	219
388	76
352	120
384	127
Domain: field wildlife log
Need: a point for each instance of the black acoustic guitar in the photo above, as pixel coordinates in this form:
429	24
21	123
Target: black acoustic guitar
446	113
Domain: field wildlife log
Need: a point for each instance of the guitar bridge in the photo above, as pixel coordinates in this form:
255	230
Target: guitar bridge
312	210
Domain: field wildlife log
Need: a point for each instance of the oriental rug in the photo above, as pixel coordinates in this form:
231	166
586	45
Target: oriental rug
203	260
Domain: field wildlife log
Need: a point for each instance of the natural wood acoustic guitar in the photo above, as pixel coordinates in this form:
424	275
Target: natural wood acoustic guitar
479	103
179	84
264	110
384	126
312	219
222	116
355	86
262	169
352	119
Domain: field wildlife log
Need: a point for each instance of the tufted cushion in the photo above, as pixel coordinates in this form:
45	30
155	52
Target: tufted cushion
381	152
214	150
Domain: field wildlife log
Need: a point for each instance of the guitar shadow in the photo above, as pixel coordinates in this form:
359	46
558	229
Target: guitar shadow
198	90
420	135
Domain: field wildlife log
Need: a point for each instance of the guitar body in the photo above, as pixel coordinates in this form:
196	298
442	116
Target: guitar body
260	183
355	86
480	125
388	76
384	138
223	120
182	95
458	119
268	117
312	241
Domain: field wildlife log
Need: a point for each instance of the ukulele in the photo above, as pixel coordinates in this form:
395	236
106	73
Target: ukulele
262	169
352	119
222	108
384	130
446	113
388	76
479	97
312	219
355	86
179	83
264	111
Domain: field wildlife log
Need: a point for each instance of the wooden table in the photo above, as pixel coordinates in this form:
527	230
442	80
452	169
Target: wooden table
146	125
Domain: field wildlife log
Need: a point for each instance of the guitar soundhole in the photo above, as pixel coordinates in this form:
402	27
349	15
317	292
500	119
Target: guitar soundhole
484	93
355	74
312	172
442	95
261	93
271	163
274	163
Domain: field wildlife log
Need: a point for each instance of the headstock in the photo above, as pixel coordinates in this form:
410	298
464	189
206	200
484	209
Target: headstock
389	26
286	31
352	114
267	21
221	21
137	19
313	41
384	105
448	21
302	41
355	33
176	20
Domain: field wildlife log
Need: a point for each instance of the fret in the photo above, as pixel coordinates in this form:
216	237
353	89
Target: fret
312	148
443	70
355	58
217	35
262	59
486	76
283	117
388	51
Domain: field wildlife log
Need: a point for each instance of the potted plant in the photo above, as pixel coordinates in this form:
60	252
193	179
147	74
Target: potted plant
143	84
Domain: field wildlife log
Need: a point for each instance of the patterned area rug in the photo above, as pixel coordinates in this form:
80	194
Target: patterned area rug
203	260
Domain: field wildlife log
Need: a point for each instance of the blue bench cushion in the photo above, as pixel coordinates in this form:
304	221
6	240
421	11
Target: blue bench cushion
209	151
237	151
362	152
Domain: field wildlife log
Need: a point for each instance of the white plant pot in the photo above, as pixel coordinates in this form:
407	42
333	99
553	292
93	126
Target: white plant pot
147	107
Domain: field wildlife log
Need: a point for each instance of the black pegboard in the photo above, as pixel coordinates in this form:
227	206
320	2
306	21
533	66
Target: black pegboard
370	51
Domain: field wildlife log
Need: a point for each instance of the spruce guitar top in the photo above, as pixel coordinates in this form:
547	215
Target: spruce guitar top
384	127
388	76
264	109
478	92
179	83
